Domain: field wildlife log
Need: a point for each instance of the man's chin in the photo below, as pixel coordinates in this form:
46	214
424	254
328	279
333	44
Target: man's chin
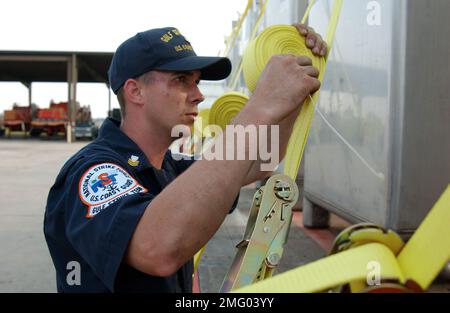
189	120
188	124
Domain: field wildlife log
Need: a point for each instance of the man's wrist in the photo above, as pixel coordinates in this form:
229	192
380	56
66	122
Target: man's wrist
255	113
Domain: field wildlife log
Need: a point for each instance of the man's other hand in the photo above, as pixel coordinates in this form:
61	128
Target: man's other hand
313	40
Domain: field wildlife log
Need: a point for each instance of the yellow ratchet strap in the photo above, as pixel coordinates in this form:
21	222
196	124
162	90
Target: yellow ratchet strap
330	272
428	250
197	258
420	260
297	141
280	39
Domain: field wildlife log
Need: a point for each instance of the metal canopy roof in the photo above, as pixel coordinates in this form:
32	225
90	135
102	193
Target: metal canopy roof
43	66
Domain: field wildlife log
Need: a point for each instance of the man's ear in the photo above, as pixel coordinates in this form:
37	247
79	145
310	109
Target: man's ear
132	92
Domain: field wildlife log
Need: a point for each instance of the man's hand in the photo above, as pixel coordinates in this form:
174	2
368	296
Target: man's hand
313	40
285	83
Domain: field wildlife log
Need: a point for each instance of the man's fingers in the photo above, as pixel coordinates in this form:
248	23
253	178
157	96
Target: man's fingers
324	50
317	44
310	40
302	29
311	71
316	85
313	40
304	61
318	48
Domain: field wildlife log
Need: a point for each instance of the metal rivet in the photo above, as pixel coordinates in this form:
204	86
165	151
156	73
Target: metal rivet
273	259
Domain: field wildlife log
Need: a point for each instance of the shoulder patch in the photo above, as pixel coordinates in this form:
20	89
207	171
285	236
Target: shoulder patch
104	184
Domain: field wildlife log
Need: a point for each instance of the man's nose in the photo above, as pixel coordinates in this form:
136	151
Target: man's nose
197	96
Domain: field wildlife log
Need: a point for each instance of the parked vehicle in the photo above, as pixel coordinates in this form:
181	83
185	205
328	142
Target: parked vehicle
54	120
51	121
17	119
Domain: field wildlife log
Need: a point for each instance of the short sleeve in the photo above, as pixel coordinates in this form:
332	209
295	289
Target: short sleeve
104	205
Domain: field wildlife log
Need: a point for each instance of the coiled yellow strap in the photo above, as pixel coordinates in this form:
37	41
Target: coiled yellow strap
278	39
282	39
226	107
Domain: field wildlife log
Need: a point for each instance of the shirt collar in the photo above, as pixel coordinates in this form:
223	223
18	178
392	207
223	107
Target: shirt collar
111	133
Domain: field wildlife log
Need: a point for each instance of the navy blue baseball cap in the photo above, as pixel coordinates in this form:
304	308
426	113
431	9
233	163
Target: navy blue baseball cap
162	49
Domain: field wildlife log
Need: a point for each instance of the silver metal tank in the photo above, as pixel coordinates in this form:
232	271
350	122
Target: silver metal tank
379	146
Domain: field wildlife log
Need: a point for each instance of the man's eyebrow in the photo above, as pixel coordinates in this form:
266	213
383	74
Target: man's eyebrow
189	73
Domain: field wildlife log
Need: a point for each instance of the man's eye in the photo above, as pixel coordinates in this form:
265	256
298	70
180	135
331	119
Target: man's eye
181	79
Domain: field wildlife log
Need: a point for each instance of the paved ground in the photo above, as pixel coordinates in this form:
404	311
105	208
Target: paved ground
28	169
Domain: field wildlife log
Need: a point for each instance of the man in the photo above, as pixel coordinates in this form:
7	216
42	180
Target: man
123	214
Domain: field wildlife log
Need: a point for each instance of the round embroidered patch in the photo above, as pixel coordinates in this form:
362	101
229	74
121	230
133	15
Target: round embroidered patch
104	184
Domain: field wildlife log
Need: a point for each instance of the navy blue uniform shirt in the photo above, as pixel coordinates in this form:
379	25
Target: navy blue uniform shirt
93	209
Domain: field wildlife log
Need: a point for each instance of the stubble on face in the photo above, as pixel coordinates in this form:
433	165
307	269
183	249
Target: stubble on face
168	98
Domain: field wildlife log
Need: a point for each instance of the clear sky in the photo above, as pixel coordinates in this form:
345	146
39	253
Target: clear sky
100	25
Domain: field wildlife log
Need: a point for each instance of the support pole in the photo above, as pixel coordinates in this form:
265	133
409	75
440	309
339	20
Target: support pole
72	79
30	94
